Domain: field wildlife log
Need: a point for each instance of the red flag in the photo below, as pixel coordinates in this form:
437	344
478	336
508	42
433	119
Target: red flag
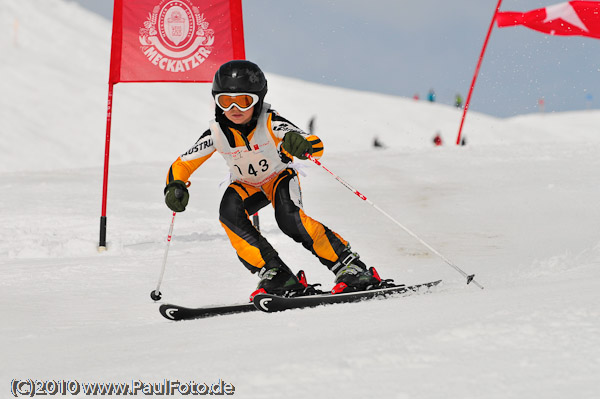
581	18
174	40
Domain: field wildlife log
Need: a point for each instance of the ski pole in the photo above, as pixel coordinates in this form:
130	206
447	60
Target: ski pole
470	278
156	295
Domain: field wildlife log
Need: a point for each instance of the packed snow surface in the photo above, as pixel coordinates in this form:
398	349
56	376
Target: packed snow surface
517	206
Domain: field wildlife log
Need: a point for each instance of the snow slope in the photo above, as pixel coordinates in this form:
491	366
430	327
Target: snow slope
517	206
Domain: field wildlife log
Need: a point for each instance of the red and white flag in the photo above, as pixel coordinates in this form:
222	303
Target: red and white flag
174	40
573	18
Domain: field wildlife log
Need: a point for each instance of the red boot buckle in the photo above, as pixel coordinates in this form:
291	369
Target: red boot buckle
375	274
339	288
302	278
255	293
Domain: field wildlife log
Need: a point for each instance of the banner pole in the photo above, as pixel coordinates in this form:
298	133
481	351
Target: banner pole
487	38
102	243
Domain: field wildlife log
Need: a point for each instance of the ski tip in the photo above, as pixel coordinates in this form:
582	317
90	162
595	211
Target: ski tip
262	301
169	311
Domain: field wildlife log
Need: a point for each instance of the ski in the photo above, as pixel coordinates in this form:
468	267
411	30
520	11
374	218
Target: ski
273	303
175	312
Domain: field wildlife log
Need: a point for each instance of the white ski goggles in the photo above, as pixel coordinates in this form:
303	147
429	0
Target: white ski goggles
243	101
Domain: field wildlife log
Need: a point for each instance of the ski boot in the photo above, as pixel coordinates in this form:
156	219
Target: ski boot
276	278
351	274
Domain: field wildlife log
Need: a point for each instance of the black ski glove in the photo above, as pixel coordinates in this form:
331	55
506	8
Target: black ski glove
295	144
176	196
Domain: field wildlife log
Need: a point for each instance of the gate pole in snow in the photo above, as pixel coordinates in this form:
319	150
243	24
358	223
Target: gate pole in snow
487	38
102	243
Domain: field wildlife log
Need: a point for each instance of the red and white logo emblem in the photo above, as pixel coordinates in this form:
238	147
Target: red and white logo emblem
176	36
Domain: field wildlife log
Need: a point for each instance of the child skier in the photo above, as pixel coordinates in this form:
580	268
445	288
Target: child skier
258	146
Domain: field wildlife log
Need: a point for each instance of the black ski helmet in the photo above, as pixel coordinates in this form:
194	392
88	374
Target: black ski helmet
240	76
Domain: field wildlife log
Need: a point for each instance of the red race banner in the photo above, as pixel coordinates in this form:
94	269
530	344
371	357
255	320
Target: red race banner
174	40
169	41
573	18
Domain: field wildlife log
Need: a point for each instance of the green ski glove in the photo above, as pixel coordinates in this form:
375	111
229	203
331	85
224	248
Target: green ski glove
295	144
176	196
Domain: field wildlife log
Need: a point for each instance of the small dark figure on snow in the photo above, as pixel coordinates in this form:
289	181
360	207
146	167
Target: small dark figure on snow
259	145
431	96
311	125
437	140
377	143
458	101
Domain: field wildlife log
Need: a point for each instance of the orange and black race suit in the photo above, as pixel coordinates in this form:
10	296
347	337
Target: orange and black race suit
261	174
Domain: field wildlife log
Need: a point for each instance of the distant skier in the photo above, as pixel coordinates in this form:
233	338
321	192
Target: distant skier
437	140
431	96
311	125
258	146
458	101
378	143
